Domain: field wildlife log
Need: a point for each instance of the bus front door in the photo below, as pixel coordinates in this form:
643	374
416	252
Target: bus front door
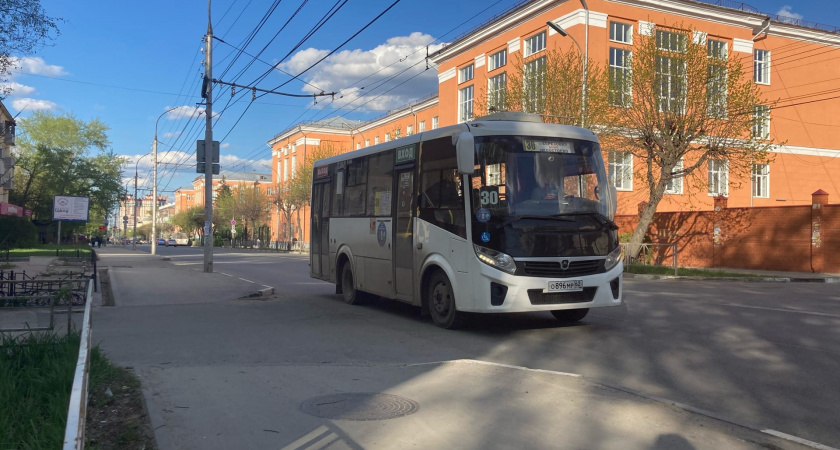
404	234
320	249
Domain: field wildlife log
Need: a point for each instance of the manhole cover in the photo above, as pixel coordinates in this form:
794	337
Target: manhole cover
359	406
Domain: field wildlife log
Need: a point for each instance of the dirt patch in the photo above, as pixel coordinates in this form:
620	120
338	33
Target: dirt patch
117	416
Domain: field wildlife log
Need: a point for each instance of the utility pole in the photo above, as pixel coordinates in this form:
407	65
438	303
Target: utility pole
208	139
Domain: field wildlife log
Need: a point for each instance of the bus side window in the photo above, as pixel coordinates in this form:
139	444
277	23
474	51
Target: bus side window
441	190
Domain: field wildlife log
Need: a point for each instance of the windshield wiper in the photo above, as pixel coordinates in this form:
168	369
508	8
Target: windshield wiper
560	217
603	220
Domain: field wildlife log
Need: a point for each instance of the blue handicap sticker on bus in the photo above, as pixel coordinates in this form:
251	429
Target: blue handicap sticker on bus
381	234
485	237
482	215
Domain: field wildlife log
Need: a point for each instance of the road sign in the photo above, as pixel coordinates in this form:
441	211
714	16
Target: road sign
233	222
101	228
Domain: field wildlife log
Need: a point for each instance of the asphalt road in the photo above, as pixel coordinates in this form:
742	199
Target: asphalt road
762	353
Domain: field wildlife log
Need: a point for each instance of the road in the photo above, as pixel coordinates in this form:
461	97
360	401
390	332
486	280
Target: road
767	354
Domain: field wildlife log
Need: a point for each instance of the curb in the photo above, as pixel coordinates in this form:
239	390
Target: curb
261	293
736	279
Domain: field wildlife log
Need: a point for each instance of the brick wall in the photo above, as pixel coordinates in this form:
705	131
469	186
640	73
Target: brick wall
787	238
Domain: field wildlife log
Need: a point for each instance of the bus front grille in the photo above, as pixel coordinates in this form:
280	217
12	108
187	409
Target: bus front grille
555	269
538	297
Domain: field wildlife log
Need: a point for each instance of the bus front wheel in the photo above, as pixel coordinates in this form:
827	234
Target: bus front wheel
441	302
348	286
570	315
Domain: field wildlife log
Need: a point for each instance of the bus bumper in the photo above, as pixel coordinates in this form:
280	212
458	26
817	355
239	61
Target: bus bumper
497	291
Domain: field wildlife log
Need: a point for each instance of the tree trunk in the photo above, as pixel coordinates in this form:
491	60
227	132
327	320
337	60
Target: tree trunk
634	246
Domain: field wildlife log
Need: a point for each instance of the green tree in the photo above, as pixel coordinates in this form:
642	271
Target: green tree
62	155
24	28
683	102
190	221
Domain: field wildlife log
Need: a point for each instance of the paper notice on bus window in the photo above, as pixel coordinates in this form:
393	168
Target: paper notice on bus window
532	145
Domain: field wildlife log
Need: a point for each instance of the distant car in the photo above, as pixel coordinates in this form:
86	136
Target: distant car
171	242
161	241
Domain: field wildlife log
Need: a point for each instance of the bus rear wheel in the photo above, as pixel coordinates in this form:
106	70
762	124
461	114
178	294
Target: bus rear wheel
570	315
441	302
348	286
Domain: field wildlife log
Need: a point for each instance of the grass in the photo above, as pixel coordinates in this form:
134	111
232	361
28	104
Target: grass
50	250
36	377
683	272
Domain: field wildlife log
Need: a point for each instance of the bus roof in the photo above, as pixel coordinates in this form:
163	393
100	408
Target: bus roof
502	123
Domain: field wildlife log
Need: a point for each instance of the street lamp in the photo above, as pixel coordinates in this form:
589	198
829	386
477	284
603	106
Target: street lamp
154	184
563	33
134	247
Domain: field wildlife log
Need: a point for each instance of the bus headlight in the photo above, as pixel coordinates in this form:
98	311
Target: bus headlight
613	258
496	259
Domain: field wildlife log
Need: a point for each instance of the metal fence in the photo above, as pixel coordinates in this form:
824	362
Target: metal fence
653	254
74	433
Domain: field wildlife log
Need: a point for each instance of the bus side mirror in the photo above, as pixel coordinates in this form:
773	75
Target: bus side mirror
465	151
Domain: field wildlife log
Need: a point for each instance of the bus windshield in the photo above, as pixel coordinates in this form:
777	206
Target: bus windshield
542	188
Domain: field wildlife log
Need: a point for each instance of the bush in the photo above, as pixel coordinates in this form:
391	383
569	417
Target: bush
18	232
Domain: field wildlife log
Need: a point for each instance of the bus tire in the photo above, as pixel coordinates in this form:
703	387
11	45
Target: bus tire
348	286
570	315
441	302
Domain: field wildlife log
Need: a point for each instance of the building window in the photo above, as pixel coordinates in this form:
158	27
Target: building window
620	77
761	122
716	90
387	137
675	186
367	142
534	86
375	140
285	169
761	66
670	83
718	177
409	130
294	165
434	122
621	170
358	145
465	104
422	126
621	32
671	41
534	44
465	73
761	180
496	92
497	60
294	149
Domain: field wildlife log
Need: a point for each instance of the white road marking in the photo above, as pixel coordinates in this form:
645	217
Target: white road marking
798	440
509	366
783	310
304	440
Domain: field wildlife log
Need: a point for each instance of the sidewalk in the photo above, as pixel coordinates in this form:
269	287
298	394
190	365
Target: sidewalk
211	385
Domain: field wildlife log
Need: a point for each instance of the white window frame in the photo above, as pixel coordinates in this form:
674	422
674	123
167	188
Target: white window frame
761	66
496	60
675	187
375	140
387	137
367	142
409	130
422	127
761	122
534	98
434	122
718	177
465	104
623	68
761	180
621	32
358	145
621	163
466	73
496	90
285	170
294	165
534	44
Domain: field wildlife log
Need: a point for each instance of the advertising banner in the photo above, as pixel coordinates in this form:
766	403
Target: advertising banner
69	208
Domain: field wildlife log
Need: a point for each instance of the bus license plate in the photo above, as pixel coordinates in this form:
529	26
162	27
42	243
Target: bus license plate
565	286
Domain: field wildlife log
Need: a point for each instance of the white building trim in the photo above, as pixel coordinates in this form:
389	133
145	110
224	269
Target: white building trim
742	45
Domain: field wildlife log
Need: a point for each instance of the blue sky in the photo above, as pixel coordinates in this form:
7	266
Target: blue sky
126	63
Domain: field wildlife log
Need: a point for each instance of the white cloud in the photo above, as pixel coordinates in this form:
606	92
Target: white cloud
348	71
225	145
17	89
787	15
172	134
185	111
31	104
36	66
237	164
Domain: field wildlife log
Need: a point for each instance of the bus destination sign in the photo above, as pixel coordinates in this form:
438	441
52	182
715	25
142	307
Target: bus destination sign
322	171
405	154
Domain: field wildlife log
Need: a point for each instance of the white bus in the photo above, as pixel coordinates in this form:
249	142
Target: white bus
502	214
